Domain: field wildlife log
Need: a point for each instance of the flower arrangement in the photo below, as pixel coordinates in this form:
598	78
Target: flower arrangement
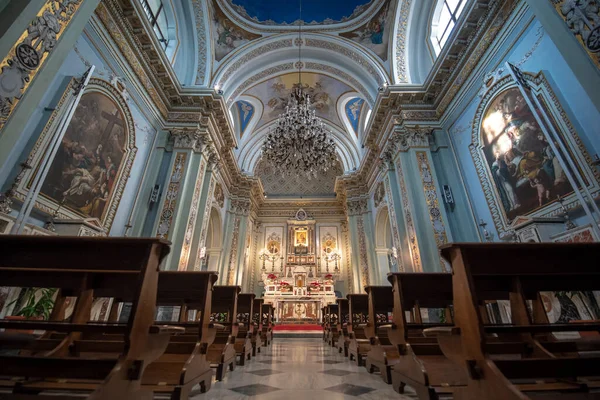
328	276
314	286
285	286
272	277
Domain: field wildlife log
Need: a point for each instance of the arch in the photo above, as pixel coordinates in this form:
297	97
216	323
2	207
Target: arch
214	240
186	58
321	54
94	190
411	45
383	239
383	229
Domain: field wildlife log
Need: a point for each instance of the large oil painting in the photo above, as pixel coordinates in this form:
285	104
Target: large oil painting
86	168
323	90
526	173
375	34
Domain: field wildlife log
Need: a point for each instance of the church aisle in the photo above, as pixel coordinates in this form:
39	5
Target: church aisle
293	369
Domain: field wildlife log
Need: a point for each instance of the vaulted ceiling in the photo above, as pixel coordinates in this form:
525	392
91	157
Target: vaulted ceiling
277	12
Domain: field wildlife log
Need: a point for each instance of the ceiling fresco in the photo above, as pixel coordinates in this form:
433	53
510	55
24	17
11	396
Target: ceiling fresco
226	35
245	112
354	109
275	184
324	92
277	12
375	34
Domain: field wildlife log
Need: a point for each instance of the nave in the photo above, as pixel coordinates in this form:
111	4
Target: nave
301	369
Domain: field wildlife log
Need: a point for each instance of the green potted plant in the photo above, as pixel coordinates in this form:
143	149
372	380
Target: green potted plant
38	303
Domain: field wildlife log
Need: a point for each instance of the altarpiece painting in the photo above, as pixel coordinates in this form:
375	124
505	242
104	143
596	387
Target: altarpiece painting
518	170
87	176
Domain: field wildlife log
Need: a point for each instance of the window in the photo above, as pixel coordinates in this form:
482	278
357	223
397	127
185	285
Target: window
444	19
155	11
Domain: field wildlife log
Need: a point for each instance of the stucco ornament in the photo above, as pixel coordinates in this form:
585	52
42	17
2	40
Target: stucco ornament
23	61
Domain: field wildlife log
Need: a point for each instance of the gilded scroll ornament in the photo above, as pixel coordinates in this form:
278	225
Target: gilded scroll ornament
23	61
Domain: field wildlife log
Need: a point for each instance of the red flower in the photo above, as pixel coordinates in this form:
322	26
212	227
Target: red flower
328	276
272	276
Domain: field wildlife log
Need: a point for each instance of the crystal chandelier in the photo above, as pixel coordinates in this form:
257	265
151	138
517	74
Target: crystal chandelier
300	143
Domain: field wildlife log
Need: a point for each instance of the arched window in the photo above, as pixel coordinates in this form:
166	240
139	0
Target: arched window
157	15
444	19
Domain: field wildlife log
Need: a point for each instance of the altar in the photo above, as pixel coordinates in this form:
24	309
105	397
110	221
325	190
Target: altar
299	299
305	282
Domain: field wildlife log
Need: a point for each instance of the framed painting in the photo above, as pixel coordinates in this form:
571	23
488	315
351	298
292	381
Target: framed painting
87	177
519	172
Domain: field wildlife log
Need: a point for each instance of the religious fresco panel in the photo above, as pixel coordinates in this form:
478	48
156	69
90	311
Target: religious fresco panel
323	90
82	176
375	35
526	173
227	36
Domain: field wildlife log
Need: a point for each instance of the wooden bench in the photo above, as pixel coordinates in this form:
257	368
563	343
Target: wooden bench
221	353
85	268
257	322
383	354
359	346
343	322
324	321
422	364
243	341
184	363
515	361
266	333
332	324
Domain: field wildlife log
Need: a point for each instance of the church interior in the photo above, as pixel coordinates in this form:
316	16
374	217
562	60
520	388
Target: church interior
340	199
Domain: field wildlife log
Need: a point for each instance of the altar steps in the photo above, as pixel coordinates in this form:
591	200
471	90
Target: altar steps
297	330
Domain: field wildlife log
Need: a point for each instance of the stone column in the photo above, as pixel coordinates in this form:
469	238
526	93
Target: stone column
364	259
193	261
33	49
420	193
179	206
401	220
574	28
237	219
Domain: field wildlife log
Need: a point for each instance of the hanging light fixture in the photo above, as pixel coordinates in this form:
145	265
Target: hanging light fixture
300	143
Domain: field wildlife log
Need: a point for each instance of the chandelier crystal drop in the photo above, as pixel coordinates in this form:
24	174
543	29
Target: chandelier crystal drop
300	143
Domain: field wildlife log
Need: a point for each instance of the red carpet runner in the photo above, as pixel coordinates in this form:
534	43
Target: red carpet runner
298	327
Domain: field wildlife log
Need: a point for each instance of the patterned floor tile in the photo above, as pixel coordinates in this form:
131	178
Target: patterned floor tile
254	390
337	372
264	372
351	390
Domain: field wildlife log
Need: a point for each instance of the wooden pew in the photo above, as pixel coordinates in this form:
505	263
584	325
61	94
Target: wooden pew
266	333
383	354
324	322
184	364
343	322
257	323
84	268
422	364
221	353
334	331
524	368
359	346
243	341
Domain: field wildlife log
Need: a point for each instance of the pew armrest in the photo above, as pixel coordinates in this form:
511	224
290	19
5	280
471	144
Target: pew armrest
167	329
219	326
440	331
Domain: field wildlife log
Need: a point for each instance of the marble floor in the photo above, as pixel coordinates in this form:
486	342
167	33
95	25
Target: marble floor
293	369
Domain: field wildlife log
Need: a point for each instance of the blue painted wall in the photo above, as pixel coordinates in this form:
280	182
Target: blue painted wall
528	45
